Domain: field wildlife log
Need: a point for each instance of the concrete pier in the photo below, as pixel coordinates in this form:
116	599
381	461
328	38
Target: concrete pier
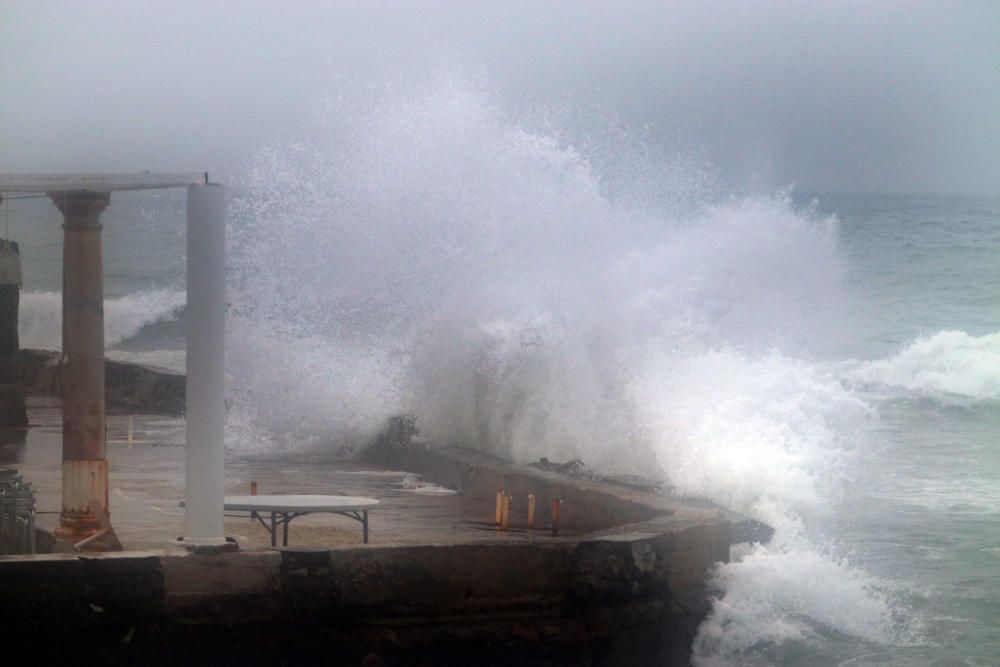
85	467
439	582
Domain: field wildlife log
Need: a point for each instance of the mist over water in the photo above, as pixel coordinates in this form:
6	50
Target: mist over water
568	230
560	284
557	283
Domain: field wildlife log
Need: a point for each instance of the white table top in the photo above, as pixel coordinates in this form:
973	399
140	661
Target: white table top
298	503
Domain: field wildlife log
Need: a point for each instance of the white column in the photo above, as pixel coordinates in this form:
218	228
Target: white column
205	324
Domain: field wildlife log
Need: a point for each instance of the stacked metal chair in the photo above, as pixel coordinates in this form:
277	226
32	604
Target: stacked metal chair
17	514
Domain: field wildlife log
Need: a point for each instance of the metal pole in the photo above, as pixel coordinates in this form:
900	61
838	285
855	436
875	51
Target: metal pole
205	324
85	466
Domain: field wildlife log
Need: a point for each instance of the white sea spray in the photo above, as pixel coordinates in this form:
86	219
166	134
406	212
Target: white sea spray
424	254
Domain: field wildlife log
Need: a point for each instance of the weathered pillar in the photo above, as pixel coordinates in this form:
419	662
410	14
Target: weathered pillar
205	323
85	466
12	410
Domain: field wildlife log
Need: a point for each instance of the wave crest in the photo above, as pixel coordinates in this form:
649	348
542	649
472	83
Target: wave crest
948	366
40	316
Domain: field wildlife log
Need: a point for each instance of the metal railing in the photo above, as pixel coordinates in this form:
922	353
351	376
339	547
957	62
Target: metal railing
17	514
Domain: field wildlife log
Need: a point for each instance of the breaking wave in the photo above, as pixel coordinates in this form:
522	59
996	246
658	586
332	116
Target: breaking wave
425	254
948	366
40	324
774	438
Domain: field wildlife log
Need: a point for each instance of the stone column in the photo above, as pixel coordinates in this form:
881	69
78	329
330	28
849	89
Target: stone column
85	466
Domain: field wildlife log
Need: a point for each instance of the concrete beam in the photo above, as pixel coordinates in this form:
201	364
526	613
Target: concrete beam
50	183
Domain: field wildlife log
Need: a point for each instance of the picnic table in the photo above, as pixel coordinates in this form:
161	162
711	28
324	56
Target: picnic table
284	508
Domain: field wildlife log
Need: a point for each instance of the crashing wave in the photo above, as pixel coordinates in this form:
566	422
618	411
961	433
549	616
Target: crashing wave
40	316
946	366
426	256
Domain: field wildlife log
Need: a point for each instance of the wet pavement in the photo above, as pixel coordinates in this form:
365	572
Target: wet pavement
147	485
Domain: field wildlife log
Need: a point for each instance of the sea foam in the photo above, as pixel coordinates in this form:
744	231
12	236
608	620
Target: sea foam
948	366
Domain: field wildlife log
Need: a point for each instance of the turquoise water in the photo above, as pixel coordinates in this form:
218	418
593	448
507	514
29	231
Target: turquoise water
923	508
899	564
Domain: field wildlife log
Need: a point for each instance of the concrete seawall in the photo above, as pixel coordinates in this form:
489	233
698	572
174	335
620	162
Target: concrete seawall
630	591
599	601
627	598
587	504
624	582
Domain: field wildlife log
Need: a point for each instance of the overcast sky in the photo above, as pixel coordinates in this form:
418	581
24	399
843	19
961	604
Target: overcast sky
899	96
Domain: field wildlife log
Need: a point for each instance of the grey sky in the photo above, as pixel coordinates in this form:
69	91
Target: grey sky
899	96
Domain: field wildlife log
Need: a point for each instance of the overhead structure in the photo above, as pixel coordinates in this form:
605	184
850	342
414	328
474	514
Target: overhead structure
82	198
46	183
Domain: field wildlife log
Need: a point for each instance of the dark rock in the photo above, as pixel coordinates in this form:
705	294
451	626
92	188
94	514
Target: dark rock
574	468
128	387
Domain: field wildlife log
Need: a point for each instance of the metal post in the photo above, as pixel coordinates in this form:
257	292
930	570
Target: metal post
85	466
205	324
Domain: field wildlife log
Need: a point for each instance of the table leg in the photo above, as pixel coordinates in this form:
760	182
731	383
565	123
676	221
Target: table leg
364	524
284	531
274	529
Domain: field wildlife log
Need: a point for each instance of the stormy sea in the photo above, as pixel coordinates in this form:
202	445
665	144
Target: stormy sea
828	363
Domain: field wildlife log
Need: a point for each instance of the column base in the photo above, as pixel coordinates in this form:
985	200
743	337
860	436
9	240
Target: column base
85	493
77	528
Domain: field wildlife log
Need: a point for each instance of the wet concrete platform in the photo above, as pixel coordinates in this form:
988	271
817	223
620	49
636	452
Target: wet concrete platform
437	584
147	485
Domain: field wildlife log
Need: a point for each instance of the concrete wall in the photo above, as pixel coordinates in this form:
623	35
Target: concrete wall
605	600
623	584
587	504
631	593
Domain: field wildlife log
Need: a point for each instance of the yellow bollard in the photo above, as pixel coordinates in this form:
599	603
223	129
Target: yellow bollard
505	520
531	510
499	511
